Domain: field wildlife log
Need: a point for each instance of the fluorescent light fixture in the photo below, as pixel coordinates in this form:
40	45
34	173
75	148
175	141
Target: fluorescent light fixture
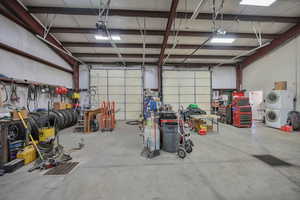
100	37
222	40
257	2
113	37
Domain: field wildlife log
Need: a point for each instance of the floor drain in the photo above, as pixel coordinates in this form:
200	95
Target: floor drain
272	160
62	169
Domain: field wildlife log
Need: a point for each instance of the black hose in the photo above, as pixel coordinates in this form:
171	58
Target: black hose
133	122
13	93
32	95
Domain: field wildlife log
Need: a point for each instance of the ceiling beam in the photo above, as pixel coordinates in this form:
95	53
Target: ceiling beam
156	46
112	55
282	39
156	32
160	14
196	65
29	21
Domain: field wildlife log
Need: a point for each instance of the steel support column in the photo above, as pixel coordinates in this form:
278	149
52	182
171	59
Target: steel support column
171	18
76	77
239	77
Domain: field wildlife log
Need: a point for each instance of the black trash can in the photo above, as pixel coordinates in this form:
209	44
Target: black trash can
170	137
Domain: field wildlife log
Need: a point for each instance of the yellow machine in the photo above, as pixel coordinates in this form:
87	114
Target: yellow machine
29	154
76	95
46	134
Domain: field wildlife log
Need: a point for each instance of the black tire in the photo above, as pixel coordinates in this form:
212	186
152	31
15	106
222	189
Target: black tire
181	153
66	118
58	120
188	148
294	120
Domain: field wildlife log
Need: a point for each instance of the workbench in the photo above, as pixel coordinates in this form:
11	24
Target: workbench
209	119
89	116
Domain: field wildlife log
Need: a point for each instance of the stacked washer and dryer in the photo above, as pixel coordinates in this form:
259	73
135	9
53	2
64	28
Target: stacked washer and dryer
278	104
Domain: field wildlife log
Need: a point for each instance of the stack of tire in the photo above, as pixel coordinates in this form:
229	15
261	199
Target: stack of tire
60	119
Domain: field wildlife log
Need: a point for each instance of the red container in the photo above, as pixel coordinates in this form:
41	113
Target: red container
202	132
238	94
287	128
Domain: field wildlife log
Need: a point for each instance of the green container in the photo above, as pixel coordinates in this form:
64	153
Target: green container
193	106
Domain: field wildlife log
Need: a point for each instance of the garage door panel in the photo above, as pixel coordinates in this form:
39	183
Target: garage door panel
171	98
188	87
185	75
134	90
120	115
202	74
124	87
115	73
170	90
203	90
101	97
115	81
170	74
202	82
101	90
187	98
133	98
102	82
203	98
117	98
133	107
133	73
133	81
120	106
98	73
186	90
170	82
93	81
115	90
186	82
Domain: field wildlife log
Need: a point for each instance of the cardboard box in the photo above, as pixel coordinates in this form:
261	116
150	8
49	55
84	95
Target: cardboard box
69	106
15	116
281	85
210	128
59	106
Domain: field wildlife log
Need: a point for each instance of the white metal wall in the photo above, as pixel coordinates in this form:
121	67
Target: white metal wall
187	87
124	86
18	67
282	64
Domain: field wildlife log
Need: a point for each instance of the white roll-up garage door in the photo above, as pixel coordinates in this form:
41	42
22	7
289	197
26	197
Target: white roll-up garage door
124	86
187	87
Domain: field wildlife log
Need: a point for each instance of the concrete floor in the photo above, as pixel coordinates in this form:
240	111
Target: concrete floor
220	167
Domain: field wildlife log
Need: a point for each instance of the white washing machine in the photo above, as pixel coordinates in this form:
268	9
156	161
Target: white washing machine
278	99
276	118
